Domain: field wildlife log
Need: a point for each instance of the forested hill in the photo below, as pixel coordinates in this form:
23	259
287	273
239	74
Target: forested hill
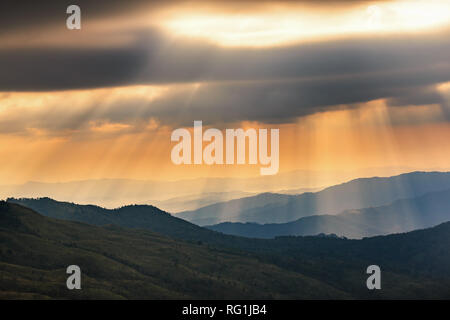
119	262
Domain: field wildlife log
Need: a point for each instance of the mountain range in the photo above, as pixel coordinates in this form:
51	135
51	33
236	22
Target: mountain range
112	193
195	201
355	194
119	262
400	216
140	251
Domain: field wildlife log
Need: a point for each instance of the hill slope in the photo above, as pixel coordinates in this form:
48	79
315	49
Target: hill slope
131	263
119	263
134	216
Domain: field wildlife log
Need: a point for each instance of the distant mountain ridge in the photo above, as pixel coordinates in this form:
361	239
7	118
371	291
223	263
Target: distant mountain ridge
400	216
355	194
112	193
116	192
193	202
349	224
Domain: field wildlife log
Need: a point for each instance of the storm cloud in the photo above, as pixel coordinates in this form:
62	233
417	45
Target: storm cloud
214	83
155	58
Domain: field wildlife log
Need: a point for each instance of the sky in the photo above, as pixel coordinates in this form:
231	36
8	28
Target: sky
351	85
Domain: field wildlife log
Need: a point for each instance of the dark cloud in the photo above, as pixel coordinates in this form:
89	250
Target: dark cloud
219	104
284	101
56	68
420	96
270	84
417	97
156	58
19	15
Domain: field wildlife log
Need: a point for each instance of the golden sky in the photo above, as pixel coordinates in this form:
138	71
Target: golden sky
350	84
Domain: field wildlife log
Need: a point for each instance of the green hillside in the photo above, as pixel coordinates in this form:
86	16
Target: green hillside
118	263
136	264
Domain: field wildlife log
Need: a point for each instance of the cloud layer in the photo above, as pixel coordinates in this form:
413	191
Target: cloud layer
213	83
